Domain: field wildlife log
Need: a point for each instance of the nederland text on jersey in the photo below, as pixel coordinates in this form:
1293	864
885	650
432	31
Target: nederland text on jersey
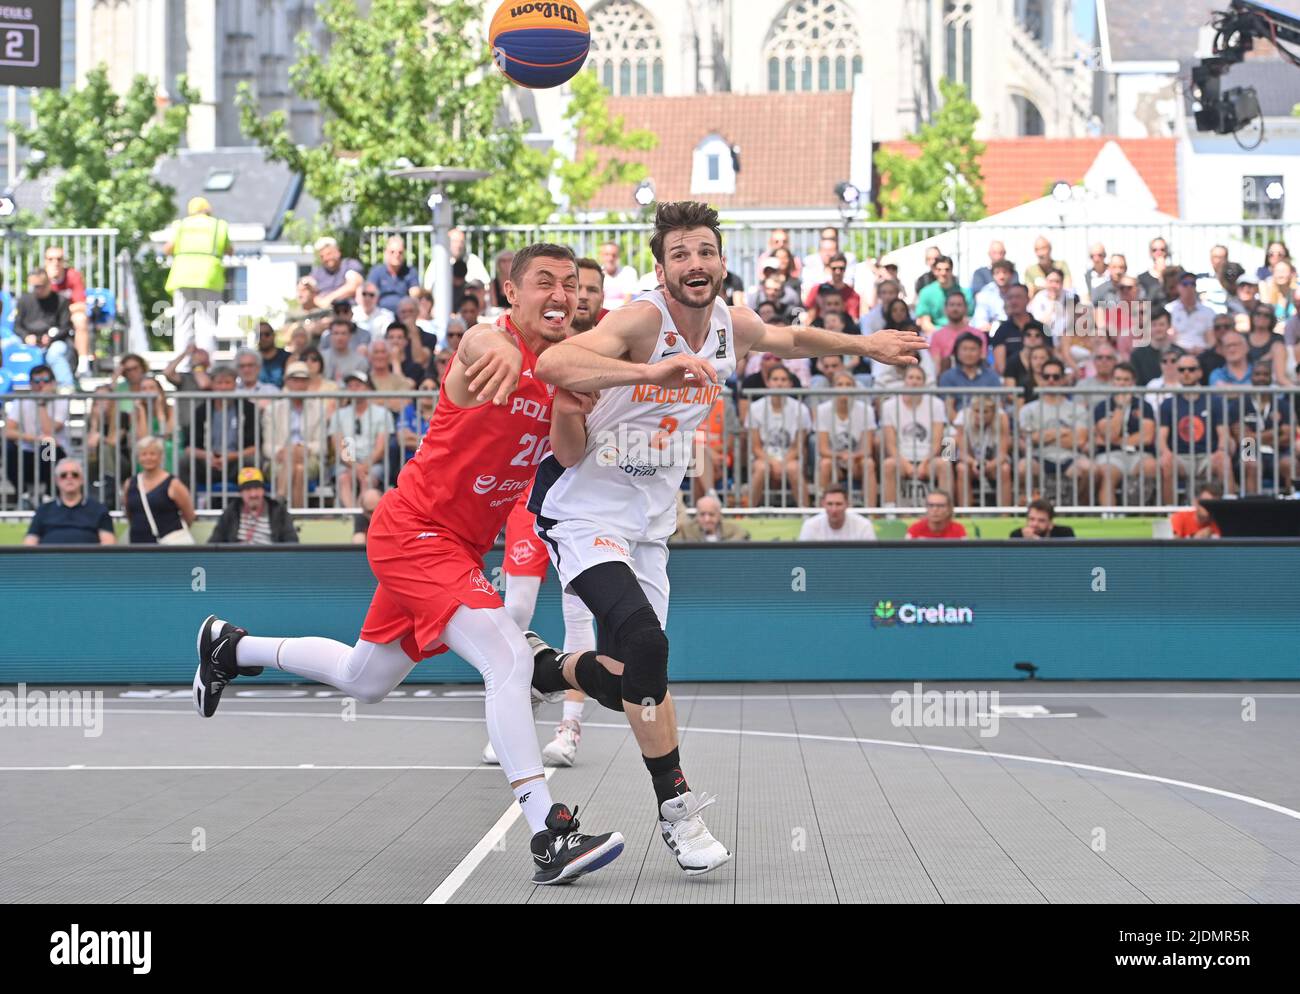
650	394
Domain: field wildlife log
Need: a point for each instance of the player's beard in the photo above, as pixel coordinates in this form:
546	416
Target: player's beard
678	291
582	322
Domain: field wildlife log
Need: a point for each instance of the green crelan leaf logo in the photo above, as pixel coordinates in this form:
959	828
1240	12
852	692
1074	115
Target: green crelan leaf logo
884	610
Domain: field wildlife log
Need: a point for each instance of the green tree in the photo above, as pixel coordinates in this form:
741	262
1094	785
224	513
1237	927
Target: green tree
943	182
594	128
105	147
403	83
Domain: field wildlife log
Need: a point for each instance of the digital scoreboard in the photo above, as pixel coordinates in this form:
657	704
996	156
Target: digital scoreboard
30	44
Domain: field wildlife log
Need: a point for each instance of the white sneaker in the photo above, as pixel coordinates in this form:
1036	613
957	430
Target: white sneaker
685	833
563	749
490	754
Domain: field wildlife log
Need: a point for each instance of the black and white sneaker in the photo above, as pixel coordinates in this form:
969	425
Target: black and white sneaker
562	853
217	664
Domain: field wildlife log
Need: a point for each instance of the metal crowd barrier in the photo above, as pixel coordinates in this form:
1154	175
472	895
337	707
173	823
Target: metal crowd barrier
984	445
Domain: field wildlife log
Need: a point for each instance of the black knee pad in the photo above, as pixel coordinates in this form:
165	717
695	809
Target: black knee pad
642	647
604	687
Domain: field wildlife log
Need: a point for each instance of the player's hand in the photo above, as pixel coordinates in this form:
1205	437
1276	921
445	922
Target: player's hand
495	374
682	371
571	402
895	348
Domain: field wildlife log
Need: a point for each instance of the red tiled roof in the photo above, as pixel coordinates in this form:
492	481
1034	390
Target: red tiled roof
1017	170
794	147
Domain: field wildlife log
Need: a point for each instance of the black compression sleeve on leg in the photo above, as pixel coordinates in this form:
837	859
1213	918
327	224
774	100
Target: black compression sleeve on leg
548	674
599	683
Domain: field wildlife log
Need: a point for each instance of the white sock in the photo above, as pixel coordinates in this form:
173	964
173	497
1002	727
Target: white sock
573	709
254	650
535	798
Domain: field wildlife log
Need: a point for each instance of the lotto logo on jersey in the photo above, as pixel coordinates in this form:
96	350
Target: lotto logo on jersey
601	542
481	583
523	553
530	408
484	484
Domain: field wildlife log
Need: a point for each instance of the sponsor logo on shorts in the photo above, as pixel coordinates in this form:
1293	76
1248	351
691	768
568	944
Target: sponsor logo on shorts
522	553
426	535
484	483
481	583
602	542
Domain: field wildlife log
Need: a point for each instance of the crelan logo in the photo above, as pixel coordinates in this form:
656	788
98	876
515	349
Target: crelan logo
887	614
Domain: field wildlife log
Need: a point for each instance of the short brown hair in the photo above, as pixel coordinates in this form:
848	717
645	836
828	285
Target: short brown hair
678	216
1043	506
538	250
594	266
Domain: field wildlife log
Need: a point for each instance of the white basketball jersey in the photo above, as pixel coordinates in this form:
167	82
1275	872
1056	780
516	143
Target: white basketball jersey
640	441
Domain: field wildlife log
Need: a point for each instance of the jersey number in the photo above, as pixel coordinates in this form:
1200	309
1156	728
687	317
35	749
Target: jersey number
532	450
661	438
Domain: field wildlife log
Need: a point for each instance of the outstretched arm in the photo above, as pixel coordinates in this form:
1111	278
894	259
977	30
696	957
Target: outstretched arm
897	348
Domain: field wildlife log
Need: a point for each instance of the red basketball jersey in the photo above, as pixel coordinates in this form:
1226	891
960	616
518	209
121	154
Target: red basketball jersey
474	463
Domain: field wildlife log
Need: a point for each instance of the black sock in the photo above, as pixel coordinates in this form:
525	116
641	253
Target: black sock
548	673
666	775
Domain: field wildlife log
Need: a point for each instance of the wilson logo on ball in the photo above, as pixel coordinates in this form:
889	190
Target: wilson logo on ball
539	45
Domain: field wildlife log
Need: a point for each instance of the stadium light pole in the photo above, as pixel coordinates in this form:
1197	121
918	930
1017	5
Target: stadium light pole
441	221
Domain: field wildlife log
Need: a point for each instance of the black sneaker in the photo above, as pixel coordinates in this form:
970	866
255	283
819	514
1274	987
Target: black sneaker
217	665
543	655
562	854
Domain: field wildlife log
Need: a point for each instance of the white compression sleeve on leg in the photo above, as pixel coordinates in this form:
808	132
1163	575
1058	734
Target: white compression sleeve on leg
579	626
366	671
521	599
494	645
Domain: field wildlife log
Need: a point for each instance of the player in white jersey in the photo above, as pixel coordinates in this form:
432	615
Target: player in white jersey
605	498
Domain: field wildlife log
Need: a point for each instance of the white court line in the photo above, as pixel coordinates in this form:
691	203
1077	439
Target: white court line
475	856
477	697
308	767
803	736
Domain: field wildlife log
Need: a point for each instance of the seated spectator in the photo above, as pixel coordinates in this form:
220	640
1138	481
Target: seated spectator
305	315
774	290
1193	433
846	439
830	301
835	522
971	370
778	429
788	266
1169	379
107	448
913	426
413	424
815	267
835	270
1120	319
69	284
1040	523
887	291
43	318
383	377
1097	272
1124	437
1036	275
1247	295
407	356
248	367
1106	293
1214	287
424	321
1029	379
224	437
1264	343
709	525
499	303
983	451
408	316
361	522
620	280
944	340
1100	372
36	434
469	311
158	505
899	318
1279	291
154	415
273	357
316	379
827	366
1192	320
368	316
1198	522
253	518
393	278
1008	338
985	274
295	437
1152	282
1054	307
336	278
1056	431
1235	370
359	434
342	359
932	254
931	304
1032	336
1262	425
938	522
1146	359
71	518
990	303
760	379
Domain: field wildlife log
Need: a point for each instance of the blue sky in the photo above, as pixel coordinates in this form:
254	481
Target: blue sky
1083	10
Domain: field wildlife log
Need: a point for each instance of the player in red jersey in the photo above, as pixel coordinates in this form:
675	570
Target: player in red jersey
426	543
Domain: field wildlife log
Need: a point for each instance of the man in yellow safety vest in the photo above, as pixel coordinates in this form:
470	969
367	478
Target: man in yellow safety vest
197	278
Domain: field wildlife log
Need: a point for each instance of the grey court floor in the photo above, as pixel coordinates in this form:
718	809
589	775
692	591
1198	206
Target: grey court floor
1086	793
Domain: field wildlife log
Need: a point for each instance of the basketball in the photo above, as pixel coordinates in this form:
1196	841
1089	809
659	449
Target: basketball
539	45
